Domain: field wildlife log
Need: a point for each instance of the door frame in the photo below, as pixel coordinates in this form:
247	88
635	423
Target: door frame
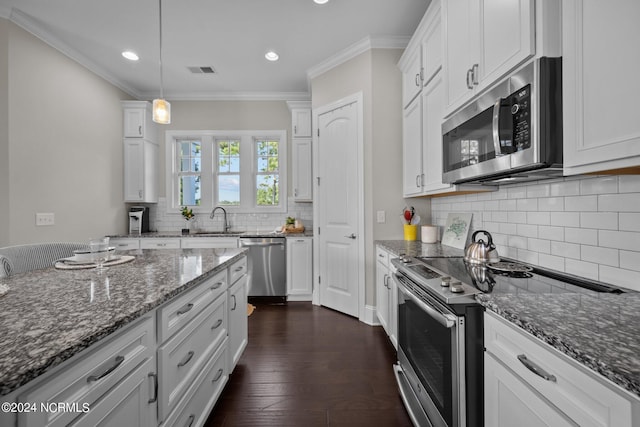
356	98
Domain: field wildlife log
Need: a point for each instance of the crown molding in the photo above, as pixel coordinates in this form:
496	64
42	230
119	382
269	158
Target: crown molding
231	96
30	25
360	47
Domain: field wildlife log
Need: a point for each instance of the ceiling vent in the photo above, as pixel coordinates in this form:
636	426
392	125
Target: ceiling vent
202	70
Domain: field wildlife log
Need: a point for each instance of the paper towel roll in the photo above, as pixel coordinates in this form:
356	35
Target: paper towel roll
429	233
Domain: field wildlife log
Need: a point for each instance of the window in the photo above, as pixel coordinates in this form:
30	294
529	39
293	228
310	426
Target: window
244	171
189	168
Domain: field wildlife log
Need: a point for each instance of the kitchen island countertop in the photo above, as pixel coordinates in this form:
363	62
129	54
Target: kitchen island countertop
597	330
49	315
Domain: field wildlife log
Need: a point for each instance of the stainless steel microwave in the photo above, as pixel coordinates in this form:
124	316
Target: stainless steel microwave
512	133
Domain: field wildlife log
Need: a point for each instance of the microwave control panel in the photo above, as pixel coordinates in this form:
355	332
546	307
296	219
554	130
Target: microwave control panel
521	114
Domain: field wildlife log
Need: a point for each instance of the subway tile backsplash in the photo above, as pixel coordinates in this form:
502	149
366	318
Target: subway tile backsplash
162	221
588	227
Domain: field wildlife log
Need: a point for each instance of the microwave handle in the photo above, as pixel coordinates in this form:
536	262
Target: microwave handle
496	128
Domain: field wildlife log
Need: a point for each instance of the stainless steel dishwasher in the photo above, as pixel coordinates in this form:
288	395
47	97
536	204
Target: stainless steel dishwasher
267	265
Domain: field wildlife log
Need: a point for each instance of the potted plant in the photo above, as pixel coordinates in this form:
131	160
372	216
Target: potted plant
188	215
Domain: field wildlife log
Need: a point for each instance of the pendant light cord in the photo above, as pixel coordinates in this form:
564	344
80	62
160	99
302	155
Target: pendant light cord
161	80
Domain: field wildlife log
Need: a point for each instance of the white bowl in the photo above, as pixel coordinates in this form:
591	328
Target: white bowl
85	255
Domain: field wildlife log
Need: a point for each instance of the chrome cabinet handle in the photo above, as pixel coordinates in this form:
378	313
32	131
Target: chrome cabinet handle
239	268
186	308
474	74
116	362
417	80
217	325
469	81
295	130
140	130
140	193
216	285
235	303
186	360
351	236
218	375
190	420
533	367
155	387
295	192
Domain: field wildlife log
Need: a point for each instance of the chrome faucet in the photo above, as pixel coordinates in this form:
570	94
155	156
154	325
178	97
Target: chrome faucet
226	224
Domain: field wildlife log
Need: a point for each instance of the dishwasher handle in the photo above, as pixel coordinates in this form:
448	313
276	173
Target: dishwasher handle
261	243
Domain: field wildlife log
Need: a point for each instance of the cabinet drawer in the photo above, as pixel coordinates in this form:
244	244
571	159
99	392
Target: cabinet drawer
237	269
382	256
580	395
90	376
179	312
159	243
195	408
125	244
182	357
209	242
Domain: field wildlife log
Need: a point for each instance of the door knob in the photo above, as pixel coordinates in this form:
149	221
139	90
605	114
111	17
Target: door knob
351	236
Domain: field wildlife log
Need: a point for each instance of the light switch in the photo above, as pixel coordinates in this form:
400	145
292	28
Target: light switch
382	217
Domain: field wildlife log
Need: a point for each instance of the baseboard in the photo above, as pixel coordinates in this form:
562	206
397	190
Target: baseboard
369	316
299	297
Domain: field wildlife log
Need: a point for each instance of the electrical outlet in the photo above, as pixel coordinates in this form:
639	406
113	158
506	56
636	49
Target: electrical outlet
382	217
44	219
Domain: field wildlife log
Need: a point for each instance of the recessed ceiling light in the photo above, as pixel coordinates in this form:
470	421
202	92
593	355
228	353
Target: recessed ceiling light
271	56
131	56
321	1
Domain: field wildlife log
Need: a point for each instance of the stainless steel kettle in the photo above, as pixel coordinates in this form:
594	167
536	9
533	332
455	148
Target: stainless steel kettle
479	252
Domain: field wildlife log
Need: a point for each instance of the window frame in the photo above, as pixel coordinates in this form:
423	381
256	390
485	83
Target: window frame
248	169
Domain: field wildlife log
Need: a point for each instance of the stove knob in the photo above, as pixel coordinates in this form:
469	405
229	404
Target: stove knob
445	281
456	287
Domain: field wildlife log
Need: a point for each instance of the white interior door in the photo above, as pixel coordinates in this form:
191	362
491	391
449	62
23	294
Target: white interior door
338	207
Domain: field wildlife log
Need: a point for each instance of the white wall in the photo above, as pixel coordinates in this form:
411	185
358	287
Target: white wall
4	132
587	226
64	145
375	74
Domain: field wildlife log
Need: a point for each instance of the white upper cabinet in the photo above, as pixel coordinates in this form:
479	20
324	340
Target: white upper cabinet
137	120
412	76
483	40
140	153
301	163
301	122
600	85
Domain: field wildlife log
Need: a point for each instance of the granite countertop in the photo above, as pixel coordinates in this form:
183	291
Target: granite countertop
252	233
49	315
598	330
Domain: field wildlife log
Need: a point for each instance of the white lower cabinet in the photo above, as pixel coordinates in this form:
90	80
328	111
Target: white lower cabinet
529	383
124	244
153	243
194	409
183	356
209	242
99	378
238	321
386	295
299	268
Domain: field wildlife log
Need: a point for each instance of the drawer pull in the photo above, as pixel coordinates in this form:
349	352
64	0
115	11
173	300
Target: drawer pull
239	268
116	362
216	285
184	309
218	375
190	420
217	325
235	303
535	368
186	360
155	387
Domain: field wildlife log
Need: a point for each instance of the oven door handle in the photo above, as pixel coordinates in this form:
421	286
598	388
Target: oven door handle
445	319
496	128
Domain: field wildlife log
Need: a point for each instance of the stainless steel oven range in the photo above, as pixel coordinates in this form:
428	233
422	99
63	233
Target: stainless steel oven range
440	332
440	347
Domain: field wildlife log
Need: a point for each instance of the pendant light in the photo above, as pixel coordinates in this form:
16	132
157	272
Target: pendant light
161	108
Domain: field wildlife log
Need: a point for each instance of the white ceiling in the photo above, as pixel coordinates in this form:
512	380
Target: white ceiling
232	36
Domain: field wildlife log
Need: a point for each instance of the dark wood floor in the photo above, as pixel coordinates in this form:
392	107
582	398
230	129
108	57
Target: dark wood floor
310	366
